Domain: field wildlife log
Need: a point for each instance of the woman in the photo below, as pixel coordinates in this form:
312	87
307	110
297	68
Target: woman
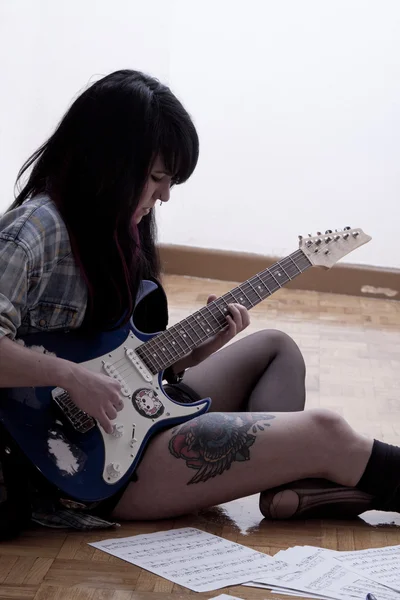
74	247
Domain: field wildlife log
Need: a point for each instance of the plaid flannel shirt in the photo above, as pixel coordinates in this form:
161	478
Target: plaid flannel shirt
41	289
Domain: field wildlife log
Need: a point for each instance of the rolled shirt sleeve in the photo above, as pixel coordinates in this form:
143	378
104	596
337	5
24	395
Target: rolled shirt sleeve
14	283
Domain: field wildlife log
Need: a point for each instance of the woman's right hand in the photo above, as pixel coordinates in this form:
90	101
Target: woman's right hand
96	394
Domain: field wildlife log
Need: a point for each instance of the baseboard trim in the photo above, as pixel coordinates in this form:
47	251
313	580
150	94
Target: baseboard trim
354	280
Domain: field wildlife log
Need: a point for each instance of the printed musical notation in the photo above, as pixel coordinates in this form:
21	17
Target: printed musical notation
204	562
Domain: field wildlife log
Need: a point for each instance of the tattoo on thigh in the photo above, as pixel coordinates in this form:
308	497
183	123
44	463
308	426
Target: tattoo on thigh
212	442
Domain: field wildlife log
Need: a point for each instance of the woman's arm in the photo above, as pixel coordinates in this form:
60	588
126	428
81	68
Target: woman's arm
96	394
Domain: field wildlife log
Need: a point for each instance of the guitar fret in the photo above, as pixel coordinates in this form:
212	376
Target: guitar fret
263	284
155	362
223	311
231	293
144	353
283	269
181	334
170	339
206	330
251	293
273	281
244	293
197	328
237	299
185	332
174	353
157	354
162	347
302	260
208	309
176	340
295	264
155	359
255	290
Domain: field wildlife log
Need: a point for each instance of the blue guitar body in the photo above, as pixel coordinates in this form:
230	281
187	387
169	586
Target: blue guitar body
69	448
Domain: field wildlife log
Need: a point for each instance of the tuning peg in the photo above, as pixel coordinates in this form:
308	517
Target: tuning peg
328	231
327	240
345	236
300	237
309	235
355	234
347	228
319	233
336	238
318	241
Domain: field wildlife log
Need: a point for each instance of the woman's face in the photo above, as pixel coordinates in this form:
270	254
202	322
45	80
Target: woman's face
157	188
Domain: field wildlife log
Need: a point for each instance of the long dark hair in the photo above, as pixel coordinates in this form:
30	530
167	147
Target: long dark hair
95	166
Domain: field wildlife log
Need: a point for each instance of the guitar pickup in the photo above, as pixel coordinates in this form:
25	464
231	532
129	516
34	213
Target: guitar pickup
113	372
138	364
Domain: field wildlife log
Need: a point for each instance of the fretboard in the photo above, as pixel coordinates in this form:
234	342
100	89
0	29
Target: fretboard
177	341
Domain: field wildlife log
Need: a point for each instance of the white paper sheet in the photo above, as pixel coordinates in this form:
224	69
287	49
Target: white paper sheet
226	597
380	564
287	592
189	557
318	572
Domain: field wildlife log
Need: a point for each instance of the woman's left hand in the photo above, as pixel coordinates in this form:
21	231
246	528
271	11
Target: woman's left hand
238	320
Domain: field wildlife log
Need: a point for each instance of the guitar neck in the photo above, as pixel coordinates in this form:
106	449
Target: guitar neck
177	341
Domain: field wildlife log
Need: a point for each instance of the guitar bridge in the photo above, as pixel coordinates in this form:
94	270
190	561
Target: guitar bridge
79	420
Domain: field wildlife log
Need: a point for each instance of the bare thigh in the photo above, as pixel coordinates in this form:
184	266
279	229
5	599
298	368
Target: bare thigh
218	457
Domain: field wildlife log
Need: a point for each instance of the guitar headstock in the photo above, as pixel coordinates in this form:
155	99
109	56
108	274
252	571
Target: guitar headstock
324	250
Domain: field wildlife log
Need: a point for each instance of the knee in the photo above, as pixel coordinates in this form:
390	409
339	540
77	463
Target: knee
332	443
328	425
285	347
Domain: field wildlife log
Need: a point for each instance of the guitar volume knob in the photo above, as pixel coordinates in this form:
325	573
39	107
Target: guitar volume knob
118	431
113	470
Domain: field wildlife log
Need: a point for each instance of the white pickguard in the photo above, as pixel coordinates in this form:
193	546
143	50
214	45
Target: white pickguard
130	427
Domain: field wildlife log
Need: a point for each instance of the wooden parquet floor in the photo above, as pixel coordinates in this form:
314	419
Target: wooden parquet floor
352	350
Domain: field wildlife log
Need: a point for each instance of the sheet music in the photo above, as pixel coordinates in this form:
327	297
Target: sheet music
380	564
203	562
316	571
226	597
286	591
189	557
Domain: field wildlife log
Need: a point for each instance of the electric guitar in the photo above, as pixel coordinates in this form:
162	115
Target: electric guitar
69	447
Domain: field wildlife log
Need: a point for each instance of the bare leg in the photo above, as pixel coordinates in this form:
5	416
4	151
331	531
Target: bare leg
218	457
264	371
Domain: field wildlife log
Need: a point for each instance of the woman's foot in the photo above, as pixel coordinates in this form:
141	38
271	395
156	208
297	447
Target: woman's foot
314	499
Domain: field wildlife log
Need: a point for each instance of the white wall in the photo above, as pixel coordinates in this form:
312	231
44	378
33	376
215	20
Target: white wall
298	107
49	51
297	104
